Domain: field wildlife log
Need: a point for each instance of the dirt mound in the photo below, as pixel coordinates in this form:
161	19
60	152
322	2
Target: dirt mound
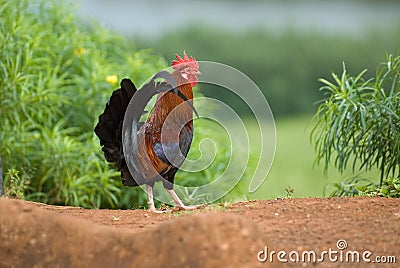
32	236
230	235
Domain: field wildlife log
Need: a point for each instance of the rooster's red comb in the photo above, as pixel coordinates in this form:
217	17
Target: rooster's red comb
186	61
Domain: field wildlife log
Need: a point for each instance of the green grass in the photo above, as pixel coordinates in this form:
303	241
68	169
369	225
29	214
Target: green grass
293	164
292	169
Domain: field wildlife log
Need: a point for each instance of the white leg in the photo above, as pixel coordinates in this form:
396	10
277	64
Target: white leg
179	202
152	208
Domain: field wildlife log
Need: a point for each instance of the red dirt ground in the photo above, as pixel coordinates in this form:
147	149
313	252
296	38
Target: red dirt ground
230	235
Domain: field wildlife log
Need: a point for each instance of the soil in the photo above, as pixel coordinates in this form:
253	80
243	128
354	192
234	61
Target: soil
225	235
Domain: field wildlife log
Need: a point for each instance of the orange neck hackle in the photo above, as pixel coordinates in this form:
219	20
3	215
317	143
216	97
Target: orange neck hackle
185	74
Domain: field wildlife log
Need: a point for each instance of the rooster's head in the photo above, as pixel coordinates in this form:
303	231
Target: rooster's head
188	67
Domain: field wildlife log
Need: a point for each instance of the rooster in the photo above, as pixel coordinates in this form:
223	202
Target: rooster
162	142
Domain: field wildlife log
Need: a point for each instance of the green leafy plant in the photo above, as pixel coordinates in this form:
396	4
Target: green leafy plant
15	184
359	123
289	192
390	187
56	75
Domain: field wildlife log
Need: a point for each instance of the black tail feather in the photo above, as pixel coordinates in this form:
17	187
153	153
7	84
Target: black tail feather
109	127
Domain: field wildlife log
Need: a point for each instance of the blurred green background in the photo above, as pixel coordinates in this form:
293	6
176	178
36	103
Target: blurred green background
284	46
58	68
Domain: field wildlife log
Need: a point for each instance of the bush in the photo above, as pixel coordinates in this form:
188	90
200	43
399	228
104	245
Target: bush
55	77
359	122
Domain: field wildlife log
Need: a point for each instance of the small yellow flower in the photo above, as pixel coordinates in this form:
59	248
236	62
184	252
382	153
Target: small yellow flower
68	20
112	79
36	135
79	51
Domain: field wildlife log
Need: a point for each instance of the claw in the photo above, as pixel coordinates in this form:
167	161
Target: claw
188	207
185	208
157	211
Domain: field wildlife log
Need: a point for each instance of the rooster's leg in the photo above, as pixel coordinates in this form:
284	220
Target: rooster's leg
179	202
152	208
